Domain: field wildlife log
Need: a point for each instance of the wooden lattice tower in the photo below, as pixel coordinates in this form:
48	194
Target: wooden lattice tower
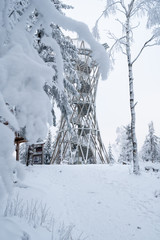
83	143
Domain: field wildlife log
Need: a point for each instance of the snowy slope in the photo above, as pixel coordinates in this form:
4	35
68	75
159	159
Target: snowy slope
102	202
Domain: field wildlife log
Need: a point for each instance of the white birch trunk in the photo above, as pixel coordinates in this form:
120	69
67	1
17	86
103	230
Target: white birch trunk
131	91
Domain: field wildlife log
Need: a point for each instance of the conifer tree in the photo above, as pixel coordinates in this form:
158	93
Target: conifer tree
23	153
124	142
48	52
151	147
110	154
48	148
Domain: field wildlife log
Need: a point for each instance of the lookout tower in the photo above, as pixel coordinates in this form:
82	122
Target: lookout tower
82	143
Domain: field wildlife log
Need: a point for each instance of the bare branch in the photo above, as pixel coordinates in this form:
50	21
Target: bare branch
135	104
121	11
130	8
120	22
146	44
118	42
106	10
138	24
123	52
11	14
123	6
151	45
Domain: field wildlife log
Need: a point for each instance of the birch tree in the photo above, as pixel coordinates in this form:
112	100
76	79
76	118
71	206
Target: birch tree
127	12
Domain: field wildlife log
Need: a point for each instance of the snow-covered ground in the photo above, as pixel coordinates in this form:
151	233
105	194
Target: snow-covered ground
102	202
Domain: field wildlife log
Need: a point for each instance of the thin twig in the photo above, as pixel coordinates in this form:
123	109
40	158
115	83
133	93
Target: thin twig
116	42
144	46
103	13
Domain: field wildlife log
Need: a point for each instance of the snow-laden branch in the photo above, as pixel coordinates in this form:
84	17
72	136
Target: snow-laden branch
50	14
6	115
58	57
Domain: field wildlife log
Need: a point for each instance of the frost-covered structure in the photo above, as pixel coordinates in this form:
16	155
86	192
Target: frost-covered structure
80	141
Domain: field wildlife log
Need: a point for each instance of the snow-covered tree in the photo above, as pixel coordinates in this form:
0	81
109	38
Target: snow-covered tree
124	143
48	148
69	55
110	155
151	147
24	73
127	14
23	151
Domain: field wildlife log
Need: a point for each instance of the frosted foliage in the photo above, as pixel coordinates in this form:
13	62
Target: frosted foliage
124	144
95	32
151	147
48	149
59	62
154	13
110	155
22	86
151	8
111	6
154	19
49	12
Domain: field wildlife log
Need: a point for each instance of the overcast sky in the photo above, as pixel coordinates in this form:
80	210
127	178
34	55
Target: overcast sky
113	95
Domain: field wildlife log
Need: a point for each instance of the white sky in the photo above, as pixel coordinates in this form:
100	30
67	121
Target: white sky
113	95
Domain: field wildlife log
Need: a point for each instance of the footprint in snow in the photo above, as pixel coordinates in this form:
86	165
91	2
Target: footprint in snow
157	193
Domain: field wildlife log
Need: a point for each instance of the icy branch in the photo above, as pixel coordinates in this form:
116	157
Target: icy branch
117	43
146	44
58	57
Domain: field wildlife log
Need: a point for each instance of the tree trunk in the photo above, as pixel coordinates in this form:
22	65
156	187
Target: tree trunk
132	104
